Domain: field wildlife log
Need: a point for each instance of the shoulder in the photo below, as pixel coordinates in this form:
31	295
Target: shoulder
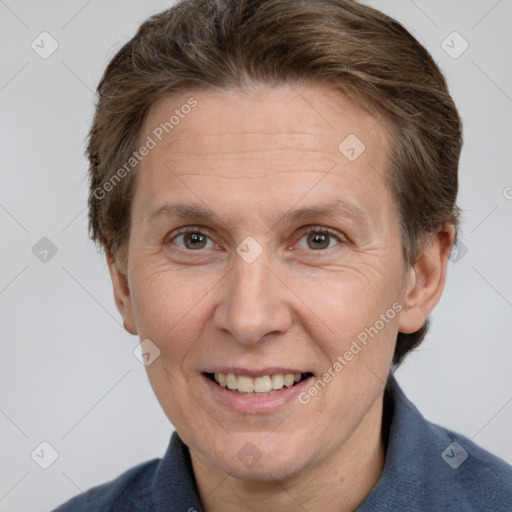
160	484
480	480
429	467
121	494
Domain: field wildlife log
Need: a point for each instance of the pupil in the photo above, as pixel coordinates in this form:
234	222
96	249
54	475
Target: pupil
322	239
195	239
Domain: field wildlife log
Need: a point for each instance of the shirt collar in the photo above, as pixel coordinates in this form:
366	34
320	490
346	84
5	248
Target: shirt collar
414	472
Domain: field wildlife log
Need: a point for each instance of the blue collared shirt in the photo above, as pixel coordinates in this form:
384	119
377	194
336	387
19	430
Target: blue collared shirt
428	468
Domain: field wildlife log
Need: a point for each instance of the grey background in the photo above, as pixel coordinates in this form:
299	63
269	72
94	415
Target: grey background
68	375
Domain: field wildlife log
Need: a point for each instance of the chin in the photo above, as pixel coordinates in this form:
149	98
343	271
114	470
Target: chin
261	459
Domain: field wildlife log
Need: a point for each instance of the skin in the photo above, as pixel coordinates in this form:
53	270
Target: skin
250	157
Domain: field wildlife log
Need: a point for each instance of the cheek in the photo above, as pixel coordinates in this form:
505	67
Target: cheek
167	305
347	301
358	330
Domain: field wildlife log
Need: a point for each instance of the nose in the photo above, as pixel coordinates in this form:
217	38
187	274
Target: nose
253	302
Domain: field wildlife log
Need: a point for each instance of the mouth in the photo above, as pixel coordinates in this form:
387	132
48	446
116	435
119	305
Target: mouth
257	386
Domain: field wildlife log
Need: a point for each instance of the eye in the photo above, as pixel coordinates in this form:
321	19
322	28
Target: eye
192	239
318	238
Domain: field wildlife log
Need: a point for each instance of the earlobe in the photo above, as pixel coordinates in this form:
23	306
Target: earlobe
122	295
425	281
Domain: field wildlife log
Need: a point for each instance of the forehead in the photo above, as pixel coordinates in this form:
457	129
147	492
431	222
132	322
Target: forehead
315	115
284	137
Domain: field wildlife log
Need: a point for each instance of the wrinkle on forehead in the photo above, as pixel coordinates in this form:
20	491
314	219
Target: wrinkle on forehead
252	175
234	112
198	144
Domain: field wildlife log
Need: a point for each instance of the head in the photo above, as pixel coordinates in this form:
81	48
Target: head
244	113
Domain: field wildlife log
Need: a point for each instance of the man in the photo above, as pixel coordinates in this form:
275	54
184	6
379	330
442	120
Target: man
274	185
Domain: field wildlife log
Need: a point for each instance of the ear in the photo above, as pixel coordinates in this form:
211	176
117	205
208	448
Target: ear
425	280
122	295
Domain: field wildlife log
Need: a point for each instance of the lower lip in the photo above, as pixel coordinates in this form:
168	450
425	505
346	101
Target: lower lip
256	404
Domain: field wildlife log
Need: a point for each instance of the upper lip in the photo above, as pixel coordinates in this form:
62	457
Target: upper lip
254	372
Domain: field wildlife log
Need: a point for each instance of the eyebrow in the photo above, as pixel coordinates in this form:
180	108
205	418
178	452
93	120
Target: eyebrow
185	211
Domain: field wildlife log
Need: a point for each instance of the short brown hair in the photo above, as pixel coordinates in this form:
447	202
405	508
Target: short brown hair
365	54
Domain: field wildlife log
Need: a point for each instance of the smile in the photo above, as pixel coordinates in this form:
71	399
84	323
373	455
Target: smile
258	386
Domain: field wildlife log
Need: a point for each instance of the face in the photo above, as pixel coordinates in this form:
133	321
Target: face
264	243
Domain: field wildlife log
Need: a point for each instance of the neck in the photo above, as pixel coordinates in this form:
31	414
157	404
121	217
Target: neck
340	482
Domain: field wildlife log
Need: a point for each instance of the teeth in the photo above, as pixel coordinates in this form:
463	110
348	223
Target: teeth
231	381
289	380
263	384
245	384
277	381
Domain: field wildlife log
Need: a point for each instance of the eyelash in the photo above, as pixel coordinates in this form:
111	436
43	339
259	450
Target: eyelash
306	231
